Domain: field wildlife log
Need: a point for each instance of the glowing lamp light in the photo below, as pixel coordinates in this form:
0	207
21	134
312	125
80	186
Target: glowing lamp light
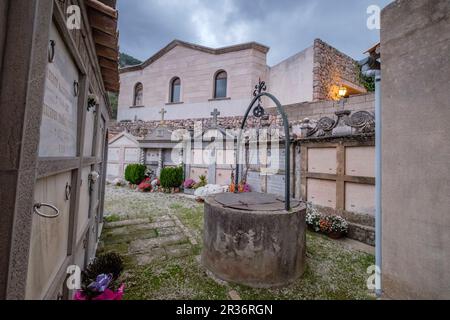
342	92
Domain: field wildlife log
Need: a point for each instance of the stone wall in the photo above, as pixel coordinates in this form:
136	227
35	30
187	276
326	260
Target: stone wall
332	68
317	110
415	42
295	112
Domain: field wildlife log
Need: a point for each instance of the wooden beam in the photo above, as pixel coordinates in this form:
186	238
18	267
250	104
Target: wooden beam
103	8
106	52
108	64
335	177
112	87
105	39
110	75
340	170
102	22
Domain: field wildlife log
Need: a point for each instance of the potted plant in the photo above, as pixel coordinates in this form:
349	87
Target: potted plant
313	220
333	226
145	186
100	279
171	179
232	187
337	227
202	183
135	174
244	187
188	186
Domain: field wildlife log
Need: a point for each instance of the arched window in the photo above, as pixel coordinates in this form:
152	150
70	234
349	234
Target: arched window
138	99
175	90
220	85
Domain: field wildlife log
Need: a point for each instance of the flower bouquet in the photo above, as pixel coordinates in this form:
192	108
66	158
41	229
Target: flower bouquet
100	279
145	186
333	226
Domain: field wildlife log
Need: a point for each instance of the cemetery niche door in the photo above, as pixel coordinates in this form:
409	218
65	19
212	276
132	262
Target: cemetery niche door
54	195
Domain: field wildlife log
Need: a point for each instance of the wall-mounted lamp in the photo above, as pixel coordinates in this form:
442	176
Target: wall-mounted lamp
342	93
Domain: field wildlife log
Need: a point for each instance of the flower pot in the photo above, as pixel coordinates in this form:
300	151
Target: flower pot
189	191
336	235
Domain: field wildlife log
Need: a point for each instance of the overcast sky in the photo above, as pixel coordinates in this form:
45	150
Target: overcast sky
286	26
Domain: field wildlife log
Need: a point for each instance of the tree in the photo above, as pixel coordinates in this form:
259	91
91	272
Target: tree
126	60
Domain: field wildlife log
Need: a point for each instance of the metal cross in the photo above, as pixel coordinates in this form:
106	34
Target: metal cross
162	113
215	114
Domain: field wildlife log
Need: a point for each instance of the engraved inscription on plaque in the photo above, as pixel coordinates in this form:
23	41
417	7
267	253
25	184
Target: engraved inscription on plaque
59	116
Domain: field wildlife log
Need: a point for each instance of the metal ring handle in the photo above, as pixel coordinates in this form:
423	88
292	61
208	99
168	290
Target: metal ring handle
51	53
76	88
37	206
68	191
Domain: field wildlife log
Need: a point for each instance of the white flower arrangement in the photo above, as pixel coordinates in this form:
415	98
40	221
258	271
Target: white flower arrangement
337	224
93	101
93	176
327	224
313	218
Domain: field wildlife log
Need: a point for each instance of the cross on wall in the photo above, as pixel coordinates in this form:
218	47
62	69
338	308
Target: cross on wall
215	114
162	113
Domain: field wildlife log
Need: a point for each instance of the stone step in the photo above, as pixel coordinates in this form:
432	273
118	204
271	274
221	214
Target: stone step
146	245
124	223
365	234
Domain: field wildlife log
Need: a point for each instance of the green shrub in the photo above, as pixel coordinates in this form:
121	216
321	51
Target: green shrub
171	177
135	173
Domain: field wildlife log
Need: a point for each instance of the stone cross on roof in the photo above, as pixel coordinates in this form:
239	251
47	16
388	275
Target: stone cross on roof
215	114
162	113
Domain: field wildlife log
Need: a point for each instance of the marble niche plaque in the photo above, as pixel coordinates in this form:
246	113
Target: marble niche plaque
131	154
59	116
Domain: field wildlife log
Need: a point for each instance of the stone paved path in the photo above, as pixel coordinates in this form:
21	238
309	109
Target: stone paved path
158	236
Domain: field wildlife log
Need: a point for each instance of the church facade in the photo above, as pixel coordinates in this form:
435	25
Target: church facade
188	81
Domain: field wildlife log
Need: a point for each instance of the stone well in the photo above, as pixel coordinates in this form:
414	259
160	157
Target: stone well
250	239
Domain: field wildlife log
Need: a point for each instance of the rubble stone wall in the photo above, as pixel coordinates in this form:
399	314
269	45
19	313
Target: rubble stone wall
331	68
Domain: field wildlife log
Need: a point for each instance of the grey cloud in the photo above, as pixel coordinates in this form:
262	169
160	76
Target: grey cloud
287	26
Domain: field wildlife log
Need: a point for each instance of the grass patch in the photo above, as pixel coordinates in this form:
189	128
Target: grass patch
112	218
333	272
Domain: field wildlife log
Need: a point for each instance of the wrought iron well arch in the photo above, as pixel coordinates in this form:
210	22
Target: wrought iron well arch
258	94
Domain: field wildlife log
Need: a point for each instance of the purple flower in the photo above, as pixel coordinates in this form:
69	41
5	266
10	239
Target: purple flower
101	283
189	183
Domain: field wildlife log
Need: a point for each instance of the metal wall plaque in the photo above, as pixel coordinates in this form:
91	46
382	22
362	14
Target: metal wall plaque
58	136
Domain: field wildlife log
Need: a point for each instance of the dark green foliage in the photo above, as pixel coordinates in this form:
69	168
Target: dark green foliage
171	177
203	182
109	263
135	173
113	98
127	60
367	82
